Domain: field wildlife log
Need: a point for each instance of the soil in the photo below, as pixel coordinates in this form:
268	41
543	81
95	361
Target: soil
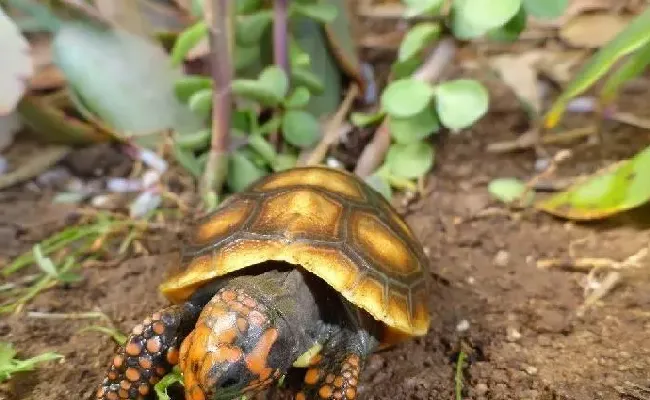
516	323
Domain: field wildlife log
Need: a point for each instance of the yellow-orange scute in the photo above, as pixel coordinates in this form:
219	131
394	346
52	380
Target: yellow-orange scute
330	223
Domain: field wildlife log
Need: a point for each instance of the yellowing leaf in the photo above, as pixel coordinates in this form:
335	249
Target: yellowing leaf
16	67
613	191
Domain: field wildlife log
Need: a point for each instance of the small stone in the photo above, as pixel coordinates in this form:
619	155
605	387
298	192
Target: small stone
512	334
462	326
502	259
481	389
530	370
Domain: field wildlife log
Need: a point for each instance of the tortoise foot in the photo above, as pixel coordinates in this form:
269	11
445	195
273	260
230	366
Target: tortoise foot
150	352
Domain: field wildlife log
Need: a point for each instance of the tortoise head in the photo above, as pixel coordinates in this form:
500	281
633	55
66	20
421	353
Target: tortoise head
235	348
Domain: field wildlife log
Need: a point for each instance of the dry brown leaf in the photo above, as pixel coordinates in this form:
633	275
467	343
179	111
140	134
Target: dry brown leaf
593	30
519	73
560	66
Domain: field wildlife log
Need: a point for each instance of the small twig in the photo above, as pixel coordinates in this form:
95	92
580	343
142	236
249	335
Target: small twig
531	139
559	157
81	315
458	378
333	127
605	287
374	153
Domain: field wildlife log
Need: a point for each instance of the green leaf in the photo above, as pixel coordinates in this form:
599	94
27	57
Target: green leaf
272	125
546	8
242	172
187	86
262	147
608	192
414	128
246	56
509	190
284	162
460	103
9	365
416	8
124	79
361	119
16	66
634	66
274	78
299	98
417	39
473	18
250	28
187	40
187	160
254	90
406	97
168	380
201	103
380	185
308	79
321	11
248	6
631	39
300	128
510	31
410	160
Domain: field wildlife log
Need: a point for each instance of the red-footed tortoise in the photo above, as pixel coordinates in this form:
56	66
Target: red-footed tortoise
308	268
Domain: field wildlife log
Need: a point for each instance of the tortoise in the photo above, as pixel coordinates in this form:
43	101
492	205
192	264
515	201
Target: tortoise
308	268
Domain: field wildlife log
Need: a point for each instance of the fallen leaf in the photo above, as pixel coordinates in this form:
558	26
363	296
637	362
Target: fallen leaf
593	30
29	159
16	67
519	73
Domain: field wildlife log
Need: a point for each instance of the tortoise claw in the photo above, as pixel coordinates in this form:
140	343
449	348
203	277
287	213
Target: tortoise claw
150	352
332	378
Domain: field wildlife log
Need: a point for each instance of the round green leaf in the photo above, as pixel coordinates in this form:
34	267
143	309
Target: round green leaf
461	102
299	98
187	40
304	77
284	162
300	128
250	28
187	86
201	103
511	30
321	11
472	18
416	8
545	8
246	56
254	90
406	97
418	38
410	160
274	78
415	128
508	190
242	172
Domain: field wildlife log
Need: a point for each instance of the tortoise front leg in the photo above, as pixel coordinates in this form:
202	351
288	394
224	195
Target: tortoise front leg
334	373
150	352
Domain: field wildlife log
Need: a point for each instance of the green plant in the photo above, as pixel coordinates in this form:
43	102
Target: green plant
10	365
623	186
413	106
283	83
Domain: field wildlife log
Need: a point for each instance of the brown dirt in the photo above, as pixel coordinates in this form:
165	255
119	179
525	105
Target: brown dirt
555	356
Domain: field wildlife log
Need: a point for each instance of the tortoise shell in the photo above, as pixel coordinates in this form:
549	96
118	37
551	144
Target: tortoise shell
329	222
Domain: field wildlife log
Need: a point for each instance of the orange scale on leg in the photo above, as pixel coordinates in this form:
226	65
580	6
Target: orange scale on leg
172	356
228	295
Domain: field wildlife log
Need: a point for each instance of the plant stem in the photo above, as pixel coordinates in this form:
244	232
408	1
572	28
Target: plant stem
280	48
281	35
374	153
220	22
